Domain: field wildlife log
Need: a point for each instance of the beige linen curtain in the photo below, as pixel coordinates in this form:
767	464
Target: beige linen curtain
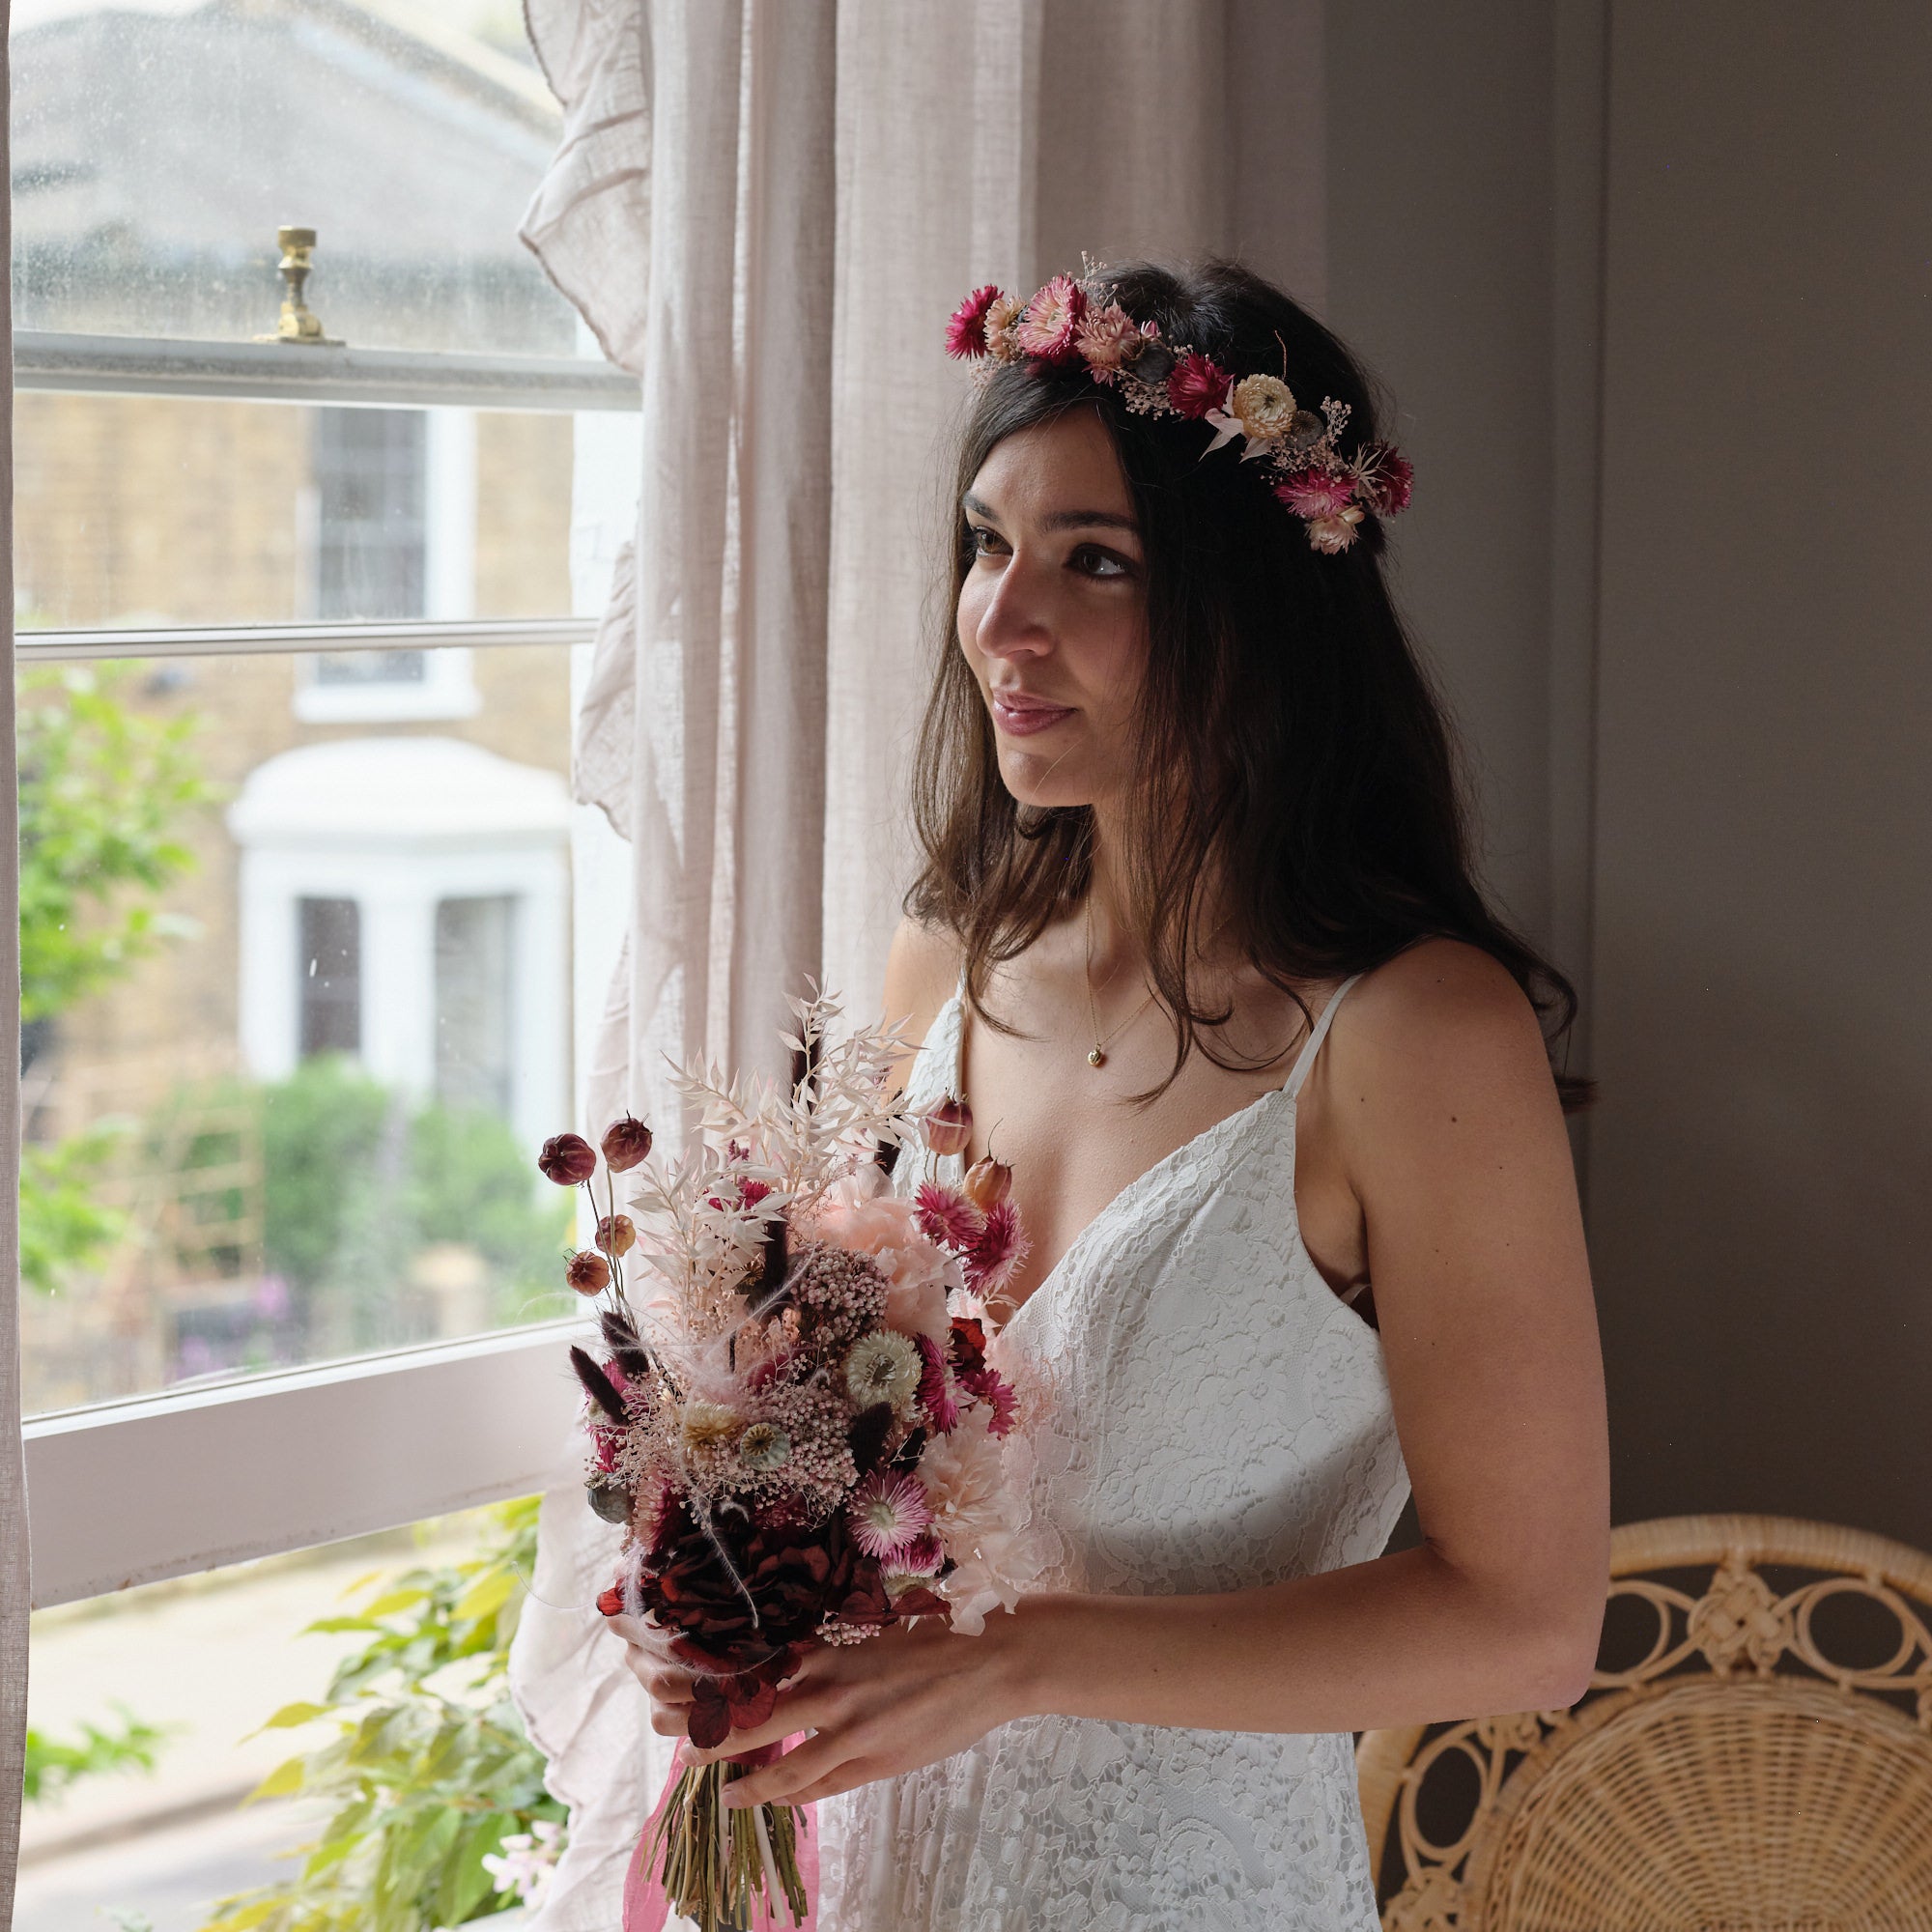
765	208
15	1580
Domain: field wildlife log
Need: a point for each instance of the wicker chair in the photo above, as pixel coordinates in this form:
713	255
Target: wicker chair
1755	1751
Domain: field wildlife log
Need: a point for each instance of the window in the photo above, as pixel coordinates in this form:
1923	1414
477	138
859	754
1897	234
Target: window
312	618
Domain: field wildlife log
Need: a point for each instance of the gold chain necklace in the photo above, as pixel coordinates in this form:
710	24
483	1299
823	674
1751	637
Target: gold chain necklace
1098	1055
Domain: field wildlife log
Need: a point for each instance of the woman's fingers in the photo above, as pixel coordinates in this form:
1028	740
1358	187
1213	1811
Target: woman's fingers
816	1761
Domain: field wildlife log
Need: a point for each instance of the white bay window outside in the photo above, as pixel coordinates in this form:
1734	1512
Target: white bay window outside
302	629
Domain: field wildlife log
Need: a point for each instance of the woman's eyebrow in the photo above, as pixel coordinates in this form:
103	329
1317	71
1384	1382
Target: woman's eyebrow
1060	520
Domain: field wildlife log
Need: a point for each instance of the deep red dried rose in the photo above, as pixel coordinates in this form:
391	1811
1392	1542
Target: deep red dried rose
1197	385
567	1159
626	1143
969	1344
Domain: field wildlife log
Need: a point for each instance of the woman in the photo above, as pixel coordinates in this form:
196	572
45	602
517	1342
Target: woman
1198	939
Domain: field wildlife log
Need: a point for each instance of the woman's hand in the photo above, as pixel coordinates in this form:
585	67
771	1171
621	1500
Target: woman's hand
905	1698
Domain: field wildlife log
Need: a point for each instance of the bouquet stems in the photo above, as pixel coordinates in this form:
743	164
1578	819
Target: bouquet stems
716	1864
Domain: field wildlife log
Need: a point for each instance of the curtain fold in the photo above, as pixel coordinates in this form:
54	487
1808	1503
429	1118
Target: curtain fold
766	209
15	1572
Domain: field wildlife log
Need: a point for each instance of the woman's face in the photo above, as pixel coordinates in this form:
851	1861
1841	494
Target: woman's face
1051	613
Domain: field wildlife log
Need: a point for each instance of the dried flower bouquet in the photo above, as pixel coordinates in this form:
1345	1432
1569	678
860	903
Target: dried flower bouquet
793	1416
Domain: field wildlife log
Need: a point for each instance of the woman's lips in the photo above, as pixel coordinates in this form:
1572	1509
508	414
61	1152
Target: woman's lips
1023	720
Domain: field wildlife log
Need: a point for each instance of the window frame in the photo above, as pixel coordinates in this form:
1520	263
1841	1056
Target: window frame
193	1478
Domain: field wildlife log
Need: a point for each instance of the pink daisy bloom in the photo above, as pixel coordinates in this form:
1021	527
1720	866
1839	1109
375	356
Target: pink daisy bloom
947	1216
966	332
1316	493
990	1386
1109	338
936	1395
888	1514
1051	323
999	1250
1197	385
921	1556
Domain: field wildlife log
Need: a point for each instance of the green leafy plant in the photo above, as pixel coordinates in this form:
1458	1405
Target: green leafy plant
101	786
101	789
54	1766
427	1767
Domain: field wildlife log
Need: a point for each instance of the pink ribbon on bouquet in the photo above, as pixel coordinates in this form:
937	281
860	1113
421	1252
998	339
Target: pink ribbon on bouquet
646	1904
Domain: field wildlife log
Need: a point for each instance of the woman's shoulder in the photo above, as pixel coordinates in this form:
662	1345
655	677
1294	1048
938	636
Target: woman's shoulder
1440	1026
921	973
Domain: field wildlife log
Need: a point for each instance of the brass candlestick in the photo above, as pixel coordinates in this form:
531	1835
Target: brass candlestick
299	323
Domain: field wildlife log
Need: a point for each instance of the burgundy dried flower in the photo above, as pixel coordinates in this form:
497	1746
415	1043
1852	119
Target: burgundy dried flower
969	1344
1385	479
936	1397
947	1216
966	332
1198	385
1050	325
948	1124
1316	493
1000	1249
588	1273
567	1159
626	1143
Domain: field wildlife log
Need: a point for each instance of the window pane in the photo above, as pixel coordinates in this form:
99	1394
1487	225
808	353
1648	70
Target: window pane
157	149
145	511
178	1675
296	1007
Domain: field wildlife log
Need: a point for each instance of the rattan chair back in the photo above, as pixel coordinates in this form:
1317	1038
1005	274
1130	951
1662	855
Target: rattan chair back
1755	1753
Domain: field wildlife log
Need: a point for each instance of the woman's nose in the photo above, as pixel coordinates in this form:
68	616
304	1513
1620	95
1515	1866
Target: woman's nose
1016	618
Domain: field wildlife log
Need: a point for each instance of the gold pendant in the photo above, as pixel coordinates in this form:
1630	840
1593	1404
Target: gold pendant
1096	1058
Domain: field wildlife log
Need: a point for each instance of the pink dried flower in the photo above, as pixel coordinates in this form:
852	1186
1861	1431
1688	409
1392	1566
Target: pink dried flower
1001	327
936	1394
1001	1247
966	332
1333	535
1108	340
1050	325
1197	385
888	1514
990	1386
1385	479
1316	493
921	1557
947	1216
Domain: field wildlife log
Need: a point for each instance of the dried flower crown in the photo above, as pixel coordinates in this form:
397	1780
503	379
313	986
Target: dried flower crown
1073	323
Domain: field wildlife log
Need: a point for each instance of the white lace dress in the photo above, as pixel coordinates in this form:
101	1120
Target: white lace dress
1206	1415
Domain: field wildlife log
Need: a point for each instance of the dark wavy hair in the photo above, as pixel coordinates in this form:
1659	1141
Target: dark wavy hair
1287	739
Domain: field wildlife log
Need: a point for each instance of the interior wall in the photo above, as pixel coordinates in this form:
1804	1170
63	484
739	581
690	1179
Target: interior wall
1649	284
1760	1215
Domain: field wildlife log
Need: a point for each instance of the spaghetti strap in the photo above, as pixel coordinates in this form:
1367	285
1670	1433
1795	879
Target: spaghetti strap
1305	1059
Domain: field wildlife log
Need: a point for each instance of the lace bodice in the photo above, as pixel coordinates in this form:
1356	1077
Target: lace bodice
1202	1413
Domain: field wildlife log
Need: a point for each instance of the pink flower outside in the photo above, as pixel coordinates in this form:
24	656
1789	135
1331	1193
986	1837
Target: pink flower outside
889	1513
966	332
1316	493
990	1386
1197	385
1050	325
936	1395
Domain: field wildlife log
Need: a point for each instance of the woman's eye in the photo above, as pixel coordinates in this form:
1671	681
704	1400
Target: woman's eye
1093	561
981	541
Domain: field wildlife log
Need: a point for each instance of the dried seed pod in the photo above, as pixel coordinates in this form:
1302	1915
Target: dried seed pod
626	1143
987	1183
947	1125
588	1273
616	1234
567	1159
611	1499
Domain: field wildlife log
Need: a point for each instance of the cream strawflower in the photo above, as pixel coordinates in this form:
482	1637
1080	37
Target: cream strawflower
884	1367
1265	407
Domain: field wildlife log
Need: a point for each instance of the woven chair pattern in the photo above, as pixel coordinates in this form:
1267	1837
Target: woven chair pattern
1744	1774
